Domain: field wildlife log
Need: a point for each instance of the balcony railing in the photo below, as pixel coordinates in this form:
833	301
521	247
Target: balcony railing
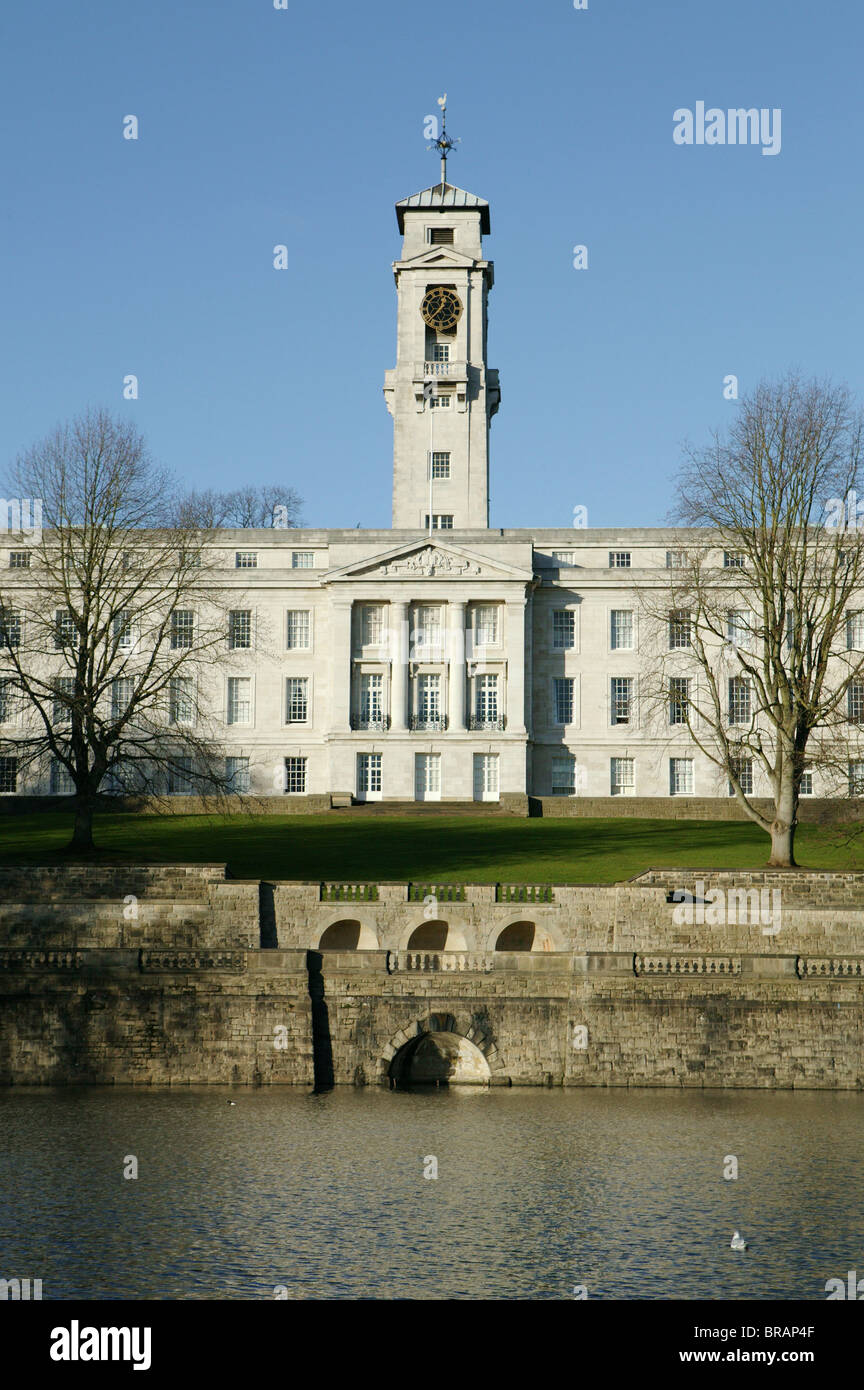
374	724
420	723
440	369
477	724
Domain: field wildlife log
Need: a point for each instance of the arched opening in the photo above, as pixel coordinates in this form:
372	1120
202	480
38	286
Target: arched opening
348	935
519	936
431	936
439	1059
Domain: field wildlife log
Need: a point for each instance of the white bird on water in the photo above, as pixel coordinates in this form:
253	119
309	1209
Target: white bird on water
738	1242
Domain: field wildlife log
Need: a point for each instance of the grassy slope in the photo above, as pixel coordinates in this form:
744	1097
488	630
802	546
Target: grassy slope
439	849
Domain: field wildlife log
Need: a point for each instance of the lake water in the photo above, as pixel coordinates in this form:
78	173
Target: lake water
537	1191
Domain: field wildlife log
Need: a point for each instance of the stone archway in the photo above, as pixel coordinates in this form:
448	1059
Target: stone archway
519	936
438	1051
348	935
436	936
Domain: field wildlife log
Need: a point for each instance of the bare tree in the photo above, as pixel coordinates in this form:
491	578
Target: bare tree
107	634
754	643
254	506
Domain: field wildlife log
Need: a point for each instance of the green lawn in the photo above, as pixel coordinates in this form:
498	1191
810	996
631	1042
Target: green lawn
350	847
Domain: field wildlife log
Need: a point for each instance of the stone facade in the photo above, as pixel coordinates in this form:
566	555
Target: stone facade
176	975
451	662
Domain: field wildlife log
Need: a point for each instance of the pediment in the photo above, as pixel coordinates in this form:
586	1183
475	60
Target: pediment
439	258
429	559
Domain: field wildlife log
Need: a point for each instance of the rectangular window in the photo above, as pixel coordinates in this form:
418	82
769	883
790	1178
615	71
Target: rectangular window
855	631
441	236
65	632
302	559
806	788
563	690
237	774
679	699
296	699
179	777
440	352
7	701
681	776
246	559
371	700
739	700
429	699
486	700
239	709
121	626
733	560
486	625
563	628
621	630
181	700
240	629
372	625
295	775
19	559
298	629
564	775
676	559
622	776
679	629
189	559
565	558
10	628
427	776
61	779
441	400
738	629
121	696
369	776
427	632
486	781
742	768
440	521
8	774
64	687
440	465
621	699
182	628
619	559
855	702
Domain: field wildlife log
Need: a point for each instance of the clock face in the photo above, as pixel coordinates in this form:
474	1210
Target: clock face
441	308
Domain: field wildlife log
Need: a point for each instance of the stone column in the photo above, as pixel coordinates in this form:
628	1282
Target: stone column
456	653
400	618
515	653
342	648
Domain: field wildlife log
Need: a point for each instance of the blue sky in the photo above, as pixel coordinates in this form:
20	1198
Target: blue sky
304	126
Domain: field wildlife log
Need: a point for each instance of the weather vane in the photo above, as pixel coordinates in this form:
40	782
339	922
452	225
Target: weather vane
444	143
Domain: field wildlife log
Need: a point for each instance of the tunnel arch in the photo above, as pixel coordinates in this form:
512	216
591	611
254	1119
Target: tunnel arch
463	1026
348	935
436	936
439	1059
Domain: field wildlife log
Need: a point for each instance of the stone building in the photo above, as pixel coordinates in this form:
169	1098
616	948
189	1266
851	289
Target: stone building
442	659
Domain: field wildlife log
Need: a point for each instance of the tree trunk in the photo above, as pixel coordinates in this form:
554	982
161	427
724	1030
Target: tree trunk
82	833
782	844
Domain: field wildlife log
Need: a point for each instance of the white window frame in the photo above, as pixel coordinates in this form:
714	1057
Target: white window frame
245	559
610	613
570	614
229	680
623	789
295	758
252	626
561	758
295	723
299	558
308	612
181	723
676	764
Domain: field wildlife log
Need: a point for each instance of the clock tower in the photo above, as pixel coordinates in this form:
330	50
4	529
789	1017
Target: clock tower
441	394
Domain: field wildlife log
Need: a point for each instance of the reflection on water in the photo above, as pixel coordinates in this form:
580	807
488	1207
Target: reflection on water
537	1191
